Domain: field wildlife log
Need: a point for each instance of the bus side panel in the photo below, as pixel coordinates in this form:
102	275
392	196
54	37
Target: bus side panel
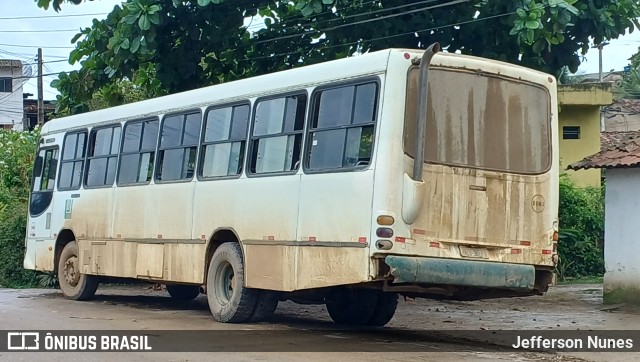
270	267
175	262
294	267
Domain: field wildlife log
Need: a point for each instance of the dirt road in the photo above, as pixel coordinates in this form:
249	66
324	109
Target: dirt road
141	308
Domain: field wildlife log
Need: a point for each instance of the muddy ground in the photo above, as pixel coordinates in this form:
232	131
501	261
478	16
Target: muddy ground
139	307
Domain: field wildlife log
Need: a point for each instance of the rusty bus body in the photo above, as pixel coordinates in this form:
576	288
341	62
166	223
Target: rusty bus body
478	221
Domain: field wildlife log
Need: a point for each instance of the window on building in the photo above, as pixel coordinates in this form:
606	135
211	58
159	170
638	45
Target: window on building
178	147
277	134
6	85
571	132
138	152
223	145
102	157
342	122
72	162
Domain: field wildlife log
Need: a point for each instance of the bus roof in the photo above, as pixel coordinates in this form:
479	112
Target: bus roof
277	83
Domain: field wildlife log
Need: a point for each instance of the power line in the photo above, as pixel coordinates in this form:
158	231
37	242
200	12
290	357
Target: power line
48	61
50	17
390	36
36	46
286	20
450	3
39	31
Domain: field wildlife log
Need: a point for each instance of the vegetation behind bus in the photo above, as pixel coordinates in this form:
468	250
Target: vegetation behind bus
581	244
17	152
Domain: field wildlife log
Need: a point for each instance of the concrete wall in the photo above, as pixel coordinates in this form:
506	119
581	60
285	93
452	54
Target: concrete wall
11	107
622	236
580	106
573	150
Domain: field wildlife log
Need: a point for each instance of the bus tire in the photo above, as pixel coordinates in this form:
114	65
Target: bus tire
352	306
229	300
265	306
385	309
73	283
182	291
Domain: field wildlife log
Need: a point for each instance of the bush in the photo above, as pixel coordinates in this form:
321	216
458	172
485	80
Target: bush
581	245
17	152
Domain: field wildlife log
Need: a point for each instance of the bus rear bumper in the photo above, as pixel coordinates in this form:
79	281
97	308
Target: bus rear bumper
481	274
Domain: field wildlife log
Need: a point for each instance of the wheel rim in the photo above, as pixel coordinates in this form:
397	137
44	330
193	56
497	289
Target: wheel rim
224	282
71	272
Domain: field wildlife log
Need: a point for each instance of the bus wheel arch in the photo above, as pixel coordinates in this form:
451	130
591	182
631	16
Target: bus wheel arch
64	237
218	237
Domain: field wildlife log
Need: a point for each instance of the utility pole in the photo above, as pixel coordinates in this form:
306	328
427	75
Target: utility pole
40	90
600	46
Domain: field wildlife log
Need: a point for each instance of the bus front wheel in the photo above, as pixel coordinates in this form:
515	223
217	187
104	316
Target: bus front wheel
73	283
229	300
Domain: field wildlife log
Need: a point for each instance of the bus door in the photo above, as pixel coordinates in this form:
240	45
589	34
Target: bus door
41	200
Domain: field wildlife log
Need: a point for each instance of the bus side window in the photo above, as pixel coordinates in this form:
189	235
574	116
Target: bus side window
72	162
178	147
44	176
342	123
138	152
277	134
45	170
102	156
224	141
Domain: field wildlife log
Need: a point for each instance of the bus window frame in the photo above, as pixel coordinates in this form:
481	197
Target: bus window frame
33	177
201	143
124	125
312	104
157	155
86	156
84	159
250	139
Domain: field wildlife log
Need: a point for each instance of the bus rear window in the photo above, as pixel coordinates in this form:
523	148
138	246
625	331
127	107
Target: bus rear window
481	121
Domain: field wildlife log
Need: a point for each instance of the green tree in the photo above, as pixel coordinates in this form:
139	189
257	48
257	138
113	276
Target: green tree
175	45
581	245
629	87
17	152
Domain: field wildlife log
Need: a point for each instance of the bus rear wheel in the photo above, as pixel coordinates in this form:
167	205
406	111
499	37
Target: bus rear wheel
73	283
229	300
183	292
365	307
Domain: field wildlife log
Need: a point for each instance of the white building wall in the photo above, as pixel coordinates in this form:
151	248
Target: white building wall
622	236
11	104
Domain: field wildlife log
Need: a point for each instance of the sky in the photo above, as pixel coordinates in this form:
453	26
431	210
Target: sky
20	38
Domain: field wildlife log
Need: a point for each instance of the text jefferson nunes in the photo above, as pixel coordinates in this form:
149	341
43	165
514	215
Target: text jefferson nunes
573	343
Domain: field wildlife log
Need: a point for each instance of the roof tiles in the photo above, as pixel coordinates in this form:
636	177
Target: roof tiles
618	149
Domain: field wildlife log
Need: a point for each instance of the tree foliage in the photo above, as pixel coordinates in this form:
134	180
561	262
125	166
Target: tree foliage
629	87
17	152
167	46
581	245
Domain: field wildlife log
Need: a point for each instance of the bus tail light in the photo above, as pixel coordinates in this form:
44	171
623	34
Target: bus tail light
546	252
384	244
384	232
385	220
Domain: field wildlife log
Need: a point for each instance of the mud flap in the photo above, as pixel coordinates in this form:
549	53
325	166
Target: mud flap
461	272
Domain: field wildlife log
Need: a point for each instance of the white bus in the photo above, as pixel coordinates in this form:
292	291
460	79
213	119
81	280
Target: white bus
345	183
